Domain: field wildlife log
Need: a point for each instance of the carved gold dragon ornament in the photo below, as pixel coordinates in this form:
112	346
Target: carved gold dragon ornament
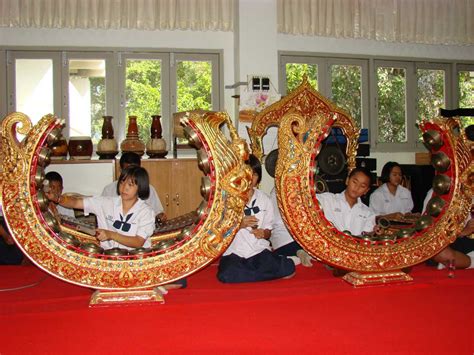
228	181
299	141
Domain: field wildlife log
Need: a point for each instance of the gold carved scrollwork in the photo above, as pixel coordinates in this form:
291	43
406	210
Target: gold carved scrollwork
305	118
230	180
306	221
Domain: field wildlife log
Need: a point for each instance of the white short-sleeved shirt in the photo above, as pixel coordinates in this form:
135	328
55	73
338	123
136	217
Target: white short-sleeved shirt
280	234
65	211
153	200
139	221
427	199
337	210
245	244
382	201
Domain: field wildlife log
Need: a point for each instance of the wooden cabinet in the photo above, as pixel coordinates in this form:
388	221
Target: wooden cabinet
177	182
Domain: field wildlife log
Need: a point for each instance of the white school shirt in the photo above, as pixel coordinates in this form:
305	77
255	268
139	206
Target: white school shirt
245	244
280	234
427	199
383	202
65	211
356	220
108	210
153	200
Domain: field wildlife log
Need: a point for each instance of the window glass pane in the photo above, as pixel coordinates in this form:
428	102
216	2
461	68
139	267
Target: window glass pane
430	92
86	97
34	87
466	94
346	88
391	117
295	72
194	85
143	90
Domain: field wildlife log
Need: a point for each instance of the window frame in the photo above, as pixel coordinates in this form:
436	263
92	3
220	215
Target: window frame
110	80
115	79
369	87
12	56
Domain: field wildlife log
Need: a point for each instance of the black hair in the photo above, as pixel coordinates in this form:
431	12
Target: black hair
139	176
361	170
130	158
54	176
255	165
469	130
387	169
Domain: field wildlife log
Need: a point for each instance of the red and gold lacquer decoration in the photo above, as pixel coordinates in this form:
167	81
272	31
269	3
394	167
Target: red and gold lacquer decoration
305	119
76	258
380	260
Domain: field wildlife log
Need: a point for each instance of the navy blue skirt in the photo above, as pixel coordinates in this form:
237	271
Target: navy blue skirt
261	267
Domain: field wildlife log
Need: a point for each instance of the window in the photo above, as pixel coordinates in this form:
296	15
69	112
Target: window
81	87
402	92
466	91
32	83
143	89
345	82
391	104
88	99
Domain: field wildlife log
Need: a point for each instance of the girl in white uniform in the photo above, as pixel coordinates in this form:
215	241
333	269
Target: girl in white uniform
249	257
125	221
391	200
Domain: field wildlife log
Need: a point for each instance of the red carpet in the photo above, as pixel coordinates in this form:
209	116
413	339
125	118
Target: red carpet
311	313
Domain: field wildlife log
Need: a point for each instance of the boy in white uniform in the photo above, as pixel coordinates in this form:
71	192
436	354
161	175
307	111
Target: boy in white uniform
391	200
153	200
249	257
345	210
55	186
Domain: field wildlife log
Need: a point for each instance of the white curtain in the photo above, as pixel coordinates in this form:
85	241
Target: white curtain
415	21
202	15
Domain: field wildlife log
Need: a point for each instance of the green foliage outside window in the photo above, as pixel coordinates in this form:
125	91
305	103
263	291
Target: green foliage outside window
143	92
194	85
466	94
346	89
295	72
391	83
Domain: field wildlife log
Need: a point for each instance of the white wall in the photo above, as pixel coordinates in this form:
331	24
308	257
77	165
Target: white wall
252	49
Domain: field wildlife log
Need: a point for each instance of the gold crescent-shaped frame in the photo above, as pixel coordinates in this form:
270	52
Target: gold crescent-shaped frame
305	118
225	184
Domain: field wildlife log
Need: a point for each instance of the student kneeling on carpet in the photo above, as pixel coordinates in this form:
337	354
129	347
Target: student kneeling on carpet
249	257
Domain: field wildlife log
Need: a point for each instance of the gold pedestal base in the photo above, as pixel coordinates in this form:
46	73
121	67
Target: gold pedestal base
357	279
135	297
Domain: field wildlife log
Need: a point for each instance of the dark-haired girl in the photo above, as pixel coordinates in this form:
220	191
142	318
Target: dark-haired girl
124	221
391	200
249	257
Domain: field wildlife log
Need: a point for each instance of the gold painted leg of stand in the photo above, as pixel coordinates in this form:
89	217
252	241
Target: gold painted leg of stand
136	297
358	279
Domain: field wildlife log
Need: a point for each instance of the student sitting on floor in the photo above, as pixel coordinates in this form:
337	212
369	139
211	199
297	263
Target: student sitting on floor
461	251
345	210
55	187
127	159
124	221
249	257
281	240
391	200
10	254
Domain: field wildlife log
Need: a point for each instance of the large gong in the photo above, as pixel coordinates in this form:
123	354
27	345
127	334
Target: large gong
71	256
305	119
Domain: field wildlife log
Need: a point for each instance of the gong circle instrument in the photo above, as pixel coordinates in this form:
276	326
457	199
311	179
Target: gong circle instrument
304	119
76	257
